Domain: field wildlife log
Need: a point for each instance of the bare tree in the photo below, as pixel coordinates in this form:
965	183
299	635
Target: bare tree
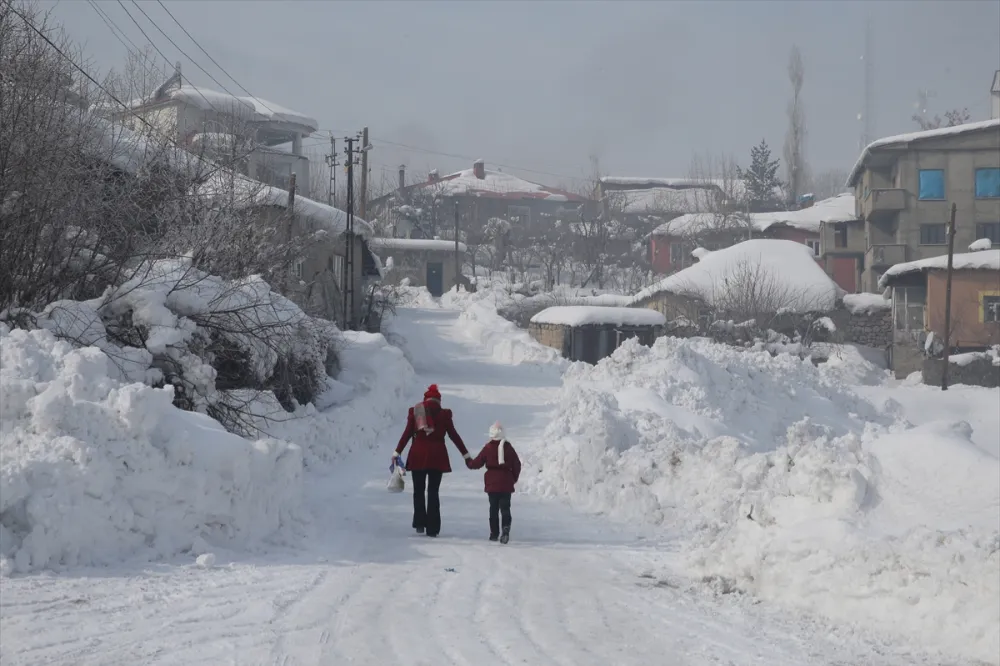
951	118
829	183
796	169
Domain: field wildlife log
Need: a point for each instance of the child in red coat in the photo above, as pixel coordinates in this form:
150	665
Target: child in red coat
503	468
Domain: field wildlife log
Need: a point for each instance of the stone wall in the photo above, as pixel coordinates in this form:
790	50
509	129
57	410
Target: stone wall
907	359
977	373
871	328
550	335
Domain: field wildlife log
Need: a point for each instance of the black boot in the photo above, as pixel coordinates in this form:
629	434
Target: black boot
505	536
494	537
420	530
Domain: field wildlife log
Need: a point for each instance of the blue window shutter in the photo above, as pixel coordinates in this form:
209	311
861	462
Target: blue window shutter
988	183
932	183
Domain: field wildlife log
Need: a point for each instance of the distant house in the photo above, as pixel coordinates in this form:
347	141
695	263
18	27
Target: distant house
590	333
217	124
422	262
918	300
754	279
480	194
904	187
673	242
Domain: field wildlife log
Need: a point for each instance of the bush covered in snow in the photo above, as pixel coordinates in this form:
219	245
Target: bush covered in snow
95	468
216	342
781	480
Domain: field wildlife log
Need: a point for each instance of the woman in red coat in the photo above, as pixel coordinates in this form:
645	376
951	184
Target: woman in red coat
426	425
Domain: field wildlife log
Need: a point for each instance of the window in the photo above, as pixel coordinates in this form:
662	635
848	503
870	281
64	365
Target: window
908	308
991	309
297	268
814	246
932	184
519	214
988	183
840	235
989	230
933	234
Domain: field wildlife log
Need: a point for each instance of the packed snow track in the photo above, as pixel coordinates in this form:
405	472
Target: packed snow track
567	590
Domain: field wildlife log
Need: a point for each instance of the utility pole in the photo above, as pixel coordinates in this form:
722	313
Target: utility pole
364	174
348	287
331	161
947	300
458	261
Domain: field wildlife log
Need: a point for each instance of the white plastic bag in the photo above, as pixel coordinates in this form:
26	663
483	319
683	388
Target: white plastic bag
396	473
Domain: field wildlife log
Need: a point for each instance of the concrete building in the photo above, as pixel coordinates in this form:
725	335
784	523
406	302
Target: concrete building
904	187
423	262
258	137
918	303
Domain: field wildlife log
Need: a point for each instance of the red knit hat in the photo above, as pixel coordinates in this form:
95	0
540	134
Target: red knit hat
432	393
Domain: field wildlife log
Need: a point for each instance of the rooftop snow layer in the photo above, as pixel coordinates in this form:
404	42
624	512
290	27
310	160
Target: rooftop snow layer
497	183
247	108
582	315
416	244
668	199
902	139
790	266
835	209
866	303
985	260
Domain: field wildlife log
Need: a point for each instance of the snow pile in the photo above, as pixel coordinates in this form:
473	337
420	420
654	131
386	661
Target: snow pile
415	245
992	355
980	245
784	482
779	272
581	315
95	469
506	342
373	388
984	260
866	303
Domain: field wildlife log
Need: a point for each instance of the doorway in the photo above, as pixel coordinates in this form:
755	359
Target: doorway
435	278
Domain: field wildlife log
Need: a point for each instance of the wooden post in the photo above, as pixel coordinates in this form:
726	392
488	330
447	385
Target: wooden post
947	300
458	261
364	174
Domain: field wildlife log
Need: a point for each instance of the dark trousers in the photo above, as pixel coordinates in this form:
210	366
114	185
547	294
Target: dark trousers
427	516
499	507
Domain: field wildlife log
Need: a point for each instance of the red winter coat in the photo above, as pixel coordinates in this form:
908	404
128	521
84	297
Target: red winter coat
499	478
429	452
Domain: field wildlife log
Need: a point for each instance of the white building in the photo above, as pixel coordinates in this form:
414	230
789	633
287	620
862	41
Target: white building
266	137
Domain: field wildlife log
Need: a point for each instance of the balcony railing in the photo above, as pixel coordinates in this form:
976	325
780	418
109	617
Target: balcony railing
881	201
883	256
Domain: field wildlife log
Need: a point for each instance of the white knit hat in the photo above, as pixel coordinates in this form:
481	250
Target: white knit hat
496	431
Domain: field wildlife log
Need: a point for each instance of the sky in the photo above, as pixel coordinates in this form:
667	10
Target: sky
542	88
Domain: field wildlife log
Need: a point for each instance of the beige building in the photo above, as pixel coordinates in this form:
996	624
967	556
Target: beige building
905	185
427	263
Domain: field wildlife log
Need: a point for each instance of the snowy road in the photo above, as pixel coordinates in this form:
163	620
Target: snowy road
366	590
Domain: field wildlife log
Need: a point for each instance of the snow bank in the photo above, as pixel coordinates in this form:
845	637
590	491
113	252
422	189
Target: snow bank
780	479
866	303
777	269
506	342
580	315
95	469
988	260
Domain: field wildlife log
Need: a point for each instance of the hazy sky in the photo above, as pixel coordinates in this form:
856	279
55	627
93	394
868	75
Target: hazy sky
543	85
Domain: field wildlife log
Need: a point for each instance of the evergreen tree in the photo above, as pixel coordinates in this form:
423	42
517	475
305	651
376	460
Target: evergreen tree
761	179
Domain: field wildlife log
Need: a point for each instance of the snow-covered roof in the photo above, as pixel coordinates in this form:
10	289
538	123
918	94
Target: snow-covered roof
835	209
251	109
903	139
984	260
497	184
667	199
672	183
415	245
980	244
789	267
582	315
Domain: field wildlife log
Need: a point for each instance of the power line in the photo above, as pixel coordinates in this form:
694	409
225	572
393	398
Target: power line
112	26
214	61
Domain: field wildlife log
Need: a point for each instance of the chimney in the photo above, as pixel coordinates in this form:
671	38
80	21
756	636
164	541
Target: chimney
432	176
402	176
479	169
